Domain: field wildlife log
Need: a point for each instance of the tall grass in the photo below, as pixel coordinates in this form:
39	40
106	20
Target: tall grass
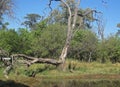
73	68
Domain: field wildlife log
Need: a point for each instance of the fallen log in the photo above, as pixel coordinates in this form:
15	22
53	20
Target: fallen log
32	60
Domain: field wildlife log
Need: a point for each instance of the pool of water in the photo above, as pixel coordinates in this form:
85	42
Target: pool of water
40	82
79	83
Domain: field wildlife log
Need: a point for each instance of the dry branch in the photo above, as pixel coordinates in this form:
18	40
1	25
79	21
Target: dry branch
23	55
32	60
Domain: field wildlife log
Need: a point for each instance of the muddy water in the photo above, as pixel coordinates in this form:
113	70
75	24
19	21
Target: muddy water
11	83
79	83
70	81
64	83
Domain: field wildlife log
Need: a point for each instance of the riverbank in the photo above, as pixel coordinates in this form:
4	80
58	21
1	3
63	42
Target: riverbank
74	70
76	81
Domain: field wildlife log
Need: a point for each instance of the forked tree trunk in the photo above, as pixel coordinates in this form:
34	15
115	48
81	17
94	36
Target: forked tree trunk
69	32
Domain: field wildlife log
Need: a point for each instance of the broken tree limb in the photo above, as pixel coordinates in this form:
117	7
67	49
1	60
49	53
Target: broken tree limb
32	60
48	61
22	55
7	70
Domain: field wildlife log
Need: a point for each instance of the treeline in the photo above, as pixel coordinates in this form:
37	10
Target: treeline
45	36
47	41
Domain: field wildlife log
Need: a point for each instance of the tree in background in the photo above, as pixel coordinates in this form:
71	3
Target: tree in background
100	26
48	42
109	52
31	20
5	9
118	32
118	25
84	46
9	40
113	46
84	17
25	39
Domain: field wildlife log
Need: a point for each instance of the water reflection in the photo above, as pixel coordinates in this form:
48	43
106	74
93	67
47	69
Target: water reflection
11	83
79	83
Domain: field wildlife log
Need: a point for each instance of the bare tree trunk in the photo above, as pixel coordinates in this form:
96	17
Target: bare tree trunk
101	27
69	32
90	56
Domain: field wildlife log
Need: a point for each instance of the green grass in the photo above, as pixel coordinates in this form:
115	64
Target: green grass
78	68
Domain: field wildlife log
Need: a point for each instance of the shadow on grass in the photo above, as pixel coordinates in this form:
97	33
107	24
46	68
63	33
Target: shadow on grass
11	83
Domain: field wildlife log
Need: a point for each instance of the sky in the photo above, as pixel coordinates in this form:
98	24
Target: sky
110	10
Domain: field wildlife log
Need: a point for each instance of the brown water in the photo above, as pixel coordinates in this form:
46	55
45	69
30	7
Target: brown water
79	83
62	83
11	83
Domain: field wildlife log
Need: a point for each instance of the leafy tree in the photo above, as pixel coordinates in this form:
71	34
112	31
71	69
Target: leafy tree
84	16
102	54
48	42
5	9
113	48
9	40
31	20
118	32
4	25
25	39
108	50
84	45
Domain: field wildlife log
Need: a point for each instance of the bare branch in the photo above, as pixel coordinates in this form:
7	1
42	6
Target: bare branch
88	12
50	1
46	60
75	15
22	55
32	60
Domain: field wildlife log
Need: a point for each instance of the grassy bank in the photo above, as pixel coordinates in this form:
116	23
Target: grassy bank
74	70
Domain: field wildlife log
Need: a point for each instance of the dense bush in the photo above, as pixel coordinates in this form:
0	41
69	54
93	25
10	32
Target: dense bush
48	41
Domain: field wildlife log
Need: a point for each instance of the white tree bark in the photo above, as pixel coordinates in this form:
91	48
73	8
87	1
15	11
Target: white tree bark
70	29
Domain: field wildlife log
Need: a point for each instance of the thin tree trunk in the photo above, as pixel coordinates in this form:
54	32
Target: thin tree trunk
90	56
69	32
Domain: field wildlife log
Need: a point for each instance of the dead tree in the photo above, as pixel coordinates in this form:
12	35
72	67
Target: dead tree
70	29
101	26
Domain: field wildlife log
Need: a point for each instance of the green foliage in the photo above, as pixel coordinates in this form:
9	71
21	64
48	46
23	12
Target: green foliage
49	41
25	39
84	45
113	48
6	8
109	49
31	20
61	14
81	68
9	40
